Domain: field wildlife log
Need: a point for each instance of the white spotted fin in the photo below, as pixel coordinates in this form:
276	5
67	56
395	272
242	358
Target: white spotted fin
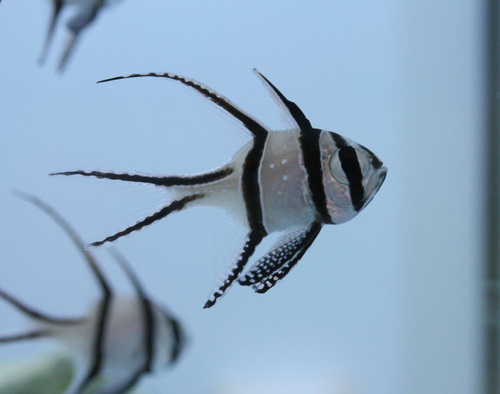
273	267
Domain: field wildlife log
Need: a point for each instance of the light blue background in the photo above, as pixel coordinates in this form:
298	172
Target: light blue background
387	303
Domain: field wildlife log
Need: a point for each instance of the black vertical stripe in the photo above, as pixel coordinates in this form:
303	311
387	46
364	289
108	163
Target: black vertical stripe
97	353
147	311
309	144
103	315
149	331
250	186
178	338
350	165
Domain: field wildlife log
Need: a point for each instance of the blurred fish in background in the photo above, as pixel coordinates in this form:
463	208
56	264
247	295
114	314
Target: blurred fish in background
87	12
119	340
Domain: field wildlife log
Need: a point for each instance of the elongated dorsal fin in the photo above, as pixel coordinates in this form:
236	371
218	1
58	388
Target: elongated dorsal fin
97	352
257	129
68	229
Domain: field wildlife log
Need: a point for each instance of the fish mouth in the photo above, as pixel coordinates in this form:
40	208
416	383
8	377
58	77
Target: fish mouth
377	181
382	175
381	178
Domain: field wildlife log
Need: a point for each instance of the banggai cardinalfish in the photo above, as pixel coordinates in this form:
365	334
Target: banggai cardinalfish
120	339
293	181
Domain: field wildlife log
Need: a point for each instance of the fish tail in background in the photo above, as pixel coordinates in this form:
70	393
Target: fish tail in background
78	23
69	48
35	315
36	334
50	32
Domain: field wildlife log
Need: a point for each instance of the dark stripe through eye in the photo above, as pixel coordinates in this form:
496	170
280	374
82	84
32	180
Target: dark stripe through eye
350	165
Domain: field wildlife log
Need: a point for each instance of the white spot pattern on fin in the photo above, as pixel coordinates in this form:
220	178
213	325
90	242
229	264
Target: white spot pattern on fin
274	266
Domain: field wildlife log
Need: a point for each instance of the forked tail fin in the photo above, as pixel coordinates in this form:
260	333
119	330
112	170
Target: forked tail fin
35	316
176	205
58	4
166	181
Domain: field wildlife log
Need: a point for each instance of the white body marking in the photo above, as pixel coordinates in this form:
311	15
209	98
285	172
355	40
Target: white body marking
285	197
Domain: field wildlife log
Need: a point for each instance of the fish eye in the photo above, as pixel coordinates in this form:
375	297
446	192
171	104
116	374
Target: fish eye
353	160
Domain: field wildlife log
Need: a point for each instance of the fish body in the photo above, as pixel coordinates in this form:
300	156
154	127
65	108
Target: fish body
119	340
124	352
291	181
86	13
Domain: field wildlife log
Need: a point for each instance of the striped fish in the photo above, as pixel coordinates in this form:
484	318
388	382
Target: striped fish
293	181
118	341
86	14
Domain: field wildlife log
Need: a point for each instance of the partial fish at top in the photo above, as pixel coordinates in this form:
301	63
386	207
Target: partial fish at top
292	181
118	341
86	14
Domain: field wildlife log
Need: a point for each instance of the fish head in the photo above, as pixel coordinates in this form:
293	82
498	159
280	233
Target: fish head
179	340
352	175
171	338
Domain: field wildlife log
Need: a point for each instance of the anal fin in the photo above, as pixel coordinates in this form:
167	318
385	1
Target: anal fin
276	264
